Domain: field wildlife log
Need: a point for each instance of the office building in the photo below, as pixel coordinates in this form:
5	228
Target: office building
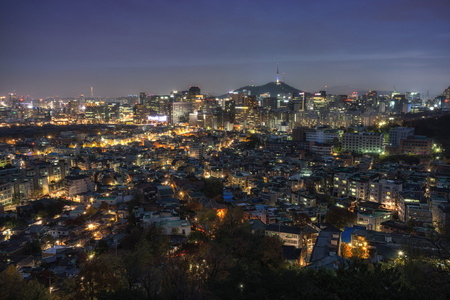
179	112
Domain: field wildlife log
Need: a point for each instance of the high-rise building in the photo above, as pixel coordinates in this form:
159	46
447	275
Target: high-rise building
194	96
229	110
157	103
126	114
72	108
398	101
399	133
372	98
96	113
250	101
178	112
412	96
446	93
194	90
270	103
241	114
141	113
298	101
320	99
142	98
13	101
363	142
238	97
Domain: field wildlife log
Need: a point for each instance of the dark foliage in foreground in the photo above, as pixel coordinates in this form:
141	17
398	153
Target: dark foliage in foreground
234	264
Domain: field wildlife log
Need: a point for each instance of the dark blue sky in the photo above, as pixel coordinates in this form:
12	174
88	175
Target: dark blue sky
121	47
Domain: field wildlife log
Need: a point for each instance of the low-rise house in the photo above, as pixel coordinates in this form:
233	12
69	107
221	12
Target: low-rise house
175	227
327	248
258	227
372	219
59	231
292	254
164	191
168	221
290	235
35	230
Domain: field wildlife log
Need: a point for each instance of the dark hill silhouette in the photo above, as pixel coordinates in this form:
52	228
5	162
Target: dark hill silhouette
272	88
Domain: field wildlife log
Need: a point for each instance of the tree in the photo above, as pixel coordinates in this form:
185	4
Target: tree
359	253
301	219
339	217
233	218
213	187
12	286
175	230
102	247
194	206
35	291
336	145
207	219
10	283
50	210
182	280
97	275
190	170
272	251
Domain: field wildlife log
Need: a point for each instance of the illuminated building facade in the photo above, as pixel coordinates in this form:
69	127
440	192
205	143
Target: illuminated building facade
363	142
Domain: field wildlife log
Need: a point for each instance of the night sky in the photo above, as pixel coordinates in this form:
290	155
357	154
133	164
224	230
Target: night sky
122	47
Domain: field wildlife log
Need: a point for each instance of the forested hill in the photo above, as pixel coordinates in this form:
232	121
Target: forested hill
437	128
271	88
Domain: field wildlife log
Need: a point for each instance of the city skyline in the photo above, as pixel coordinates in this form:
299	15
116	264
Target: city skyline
64	48
173	149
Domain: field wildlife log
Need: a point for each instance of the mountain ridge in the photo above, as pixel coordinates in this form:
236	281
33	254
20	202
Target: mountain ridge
271	87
